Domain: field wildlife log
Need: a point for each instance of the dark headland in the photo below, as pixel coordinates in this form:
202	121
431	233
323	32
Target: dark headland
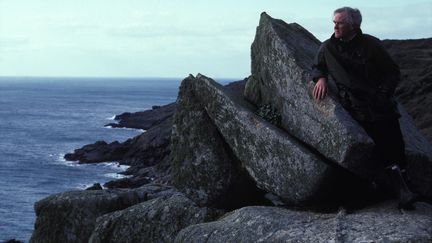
257	160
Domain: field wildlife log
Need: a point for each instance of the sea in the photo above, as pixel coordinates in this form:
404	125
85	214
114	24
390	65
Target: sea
42	119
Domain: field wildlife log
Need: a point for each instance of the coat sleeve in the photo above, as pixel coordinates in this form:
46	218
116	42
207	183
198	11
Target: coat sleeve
319	66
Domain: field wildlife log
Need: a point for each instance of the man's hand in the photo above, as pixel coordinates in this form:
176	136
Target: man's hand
320	89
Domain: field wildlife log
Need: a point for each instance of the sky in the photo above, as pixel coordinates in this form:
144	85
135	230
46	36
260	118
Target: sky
161	38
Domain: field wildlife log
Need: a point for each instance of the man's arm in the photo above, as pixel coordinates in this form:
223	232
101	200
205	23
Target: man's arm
319	74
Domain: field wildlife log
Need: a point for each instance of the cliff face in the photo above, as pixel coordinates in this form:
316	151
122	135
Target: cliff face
218	154
415	91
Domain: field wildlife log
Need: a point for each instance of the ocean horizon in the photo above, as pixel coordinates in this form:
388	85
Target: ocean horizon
43	118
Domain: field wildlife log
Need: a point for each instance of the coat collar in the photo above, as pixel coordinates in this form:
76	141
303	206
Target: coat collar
358	35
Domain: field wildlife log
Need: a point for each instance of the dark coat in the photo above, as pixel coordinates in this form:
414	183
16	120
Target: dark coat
364	73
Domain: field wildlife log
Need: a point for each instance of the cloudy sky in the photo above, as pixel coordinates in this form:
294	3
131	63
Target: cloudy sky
161	38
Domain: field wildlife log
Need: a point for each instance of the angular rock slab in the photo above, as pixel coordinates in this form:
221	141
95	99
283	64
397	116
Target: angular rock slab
202	163
157	220
383	223
282	56
71	216
418	152
275	160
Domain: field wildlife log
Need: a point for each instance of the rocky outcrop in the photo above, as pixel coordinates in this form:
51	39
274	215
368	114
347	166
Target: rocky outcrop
276	161
381	223
71	216
144	119
415	90
147	154
146	149
415	93
221	150
204	166
98	152
282	56
157	220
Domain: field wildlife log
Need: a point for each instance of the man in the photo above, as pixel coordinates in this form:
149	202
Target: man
366	78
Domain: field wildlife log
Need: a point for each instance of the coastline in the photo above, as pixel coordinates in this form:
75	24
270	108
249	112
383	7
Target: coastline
216	155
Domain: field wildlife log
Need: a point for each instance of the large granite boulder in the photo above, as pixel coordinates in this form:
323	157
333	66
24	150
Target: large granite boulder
380	223
203	164
275	160
282	56
71	216
157	220
418	152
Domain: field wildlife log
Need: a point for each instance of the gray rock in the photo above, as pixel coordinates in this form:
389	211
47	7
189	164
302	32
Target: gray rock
282	56
144	119
274	159
71	216
418	152
203	164
415	90
157	220
98	152
381	223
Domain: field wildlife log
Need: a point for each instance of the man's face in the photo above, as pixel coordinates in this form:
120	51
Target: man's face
342	28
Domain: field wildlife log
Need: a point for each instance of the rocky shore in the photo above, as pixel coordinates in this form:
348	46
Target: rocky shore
257	160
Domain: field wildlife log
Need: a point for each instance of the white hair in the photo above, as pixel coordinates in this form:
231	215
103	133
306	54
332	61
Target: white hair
354	16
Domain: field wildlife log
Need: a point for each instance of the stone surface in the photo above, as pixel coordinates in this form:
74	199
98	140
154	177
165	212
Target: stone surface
98	152
415	90
149	149
144	119
275	160
146	149
418	152
380	223
71	216
203	164
282	56
157	220
278	162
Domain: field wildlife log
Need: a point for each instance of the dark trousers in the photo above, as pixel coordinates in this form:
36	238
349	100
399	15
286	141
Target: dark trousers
390	146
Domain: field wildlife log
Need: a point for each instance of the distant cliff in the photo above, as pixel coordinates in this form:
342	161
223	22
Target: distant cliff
415	91
257	160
